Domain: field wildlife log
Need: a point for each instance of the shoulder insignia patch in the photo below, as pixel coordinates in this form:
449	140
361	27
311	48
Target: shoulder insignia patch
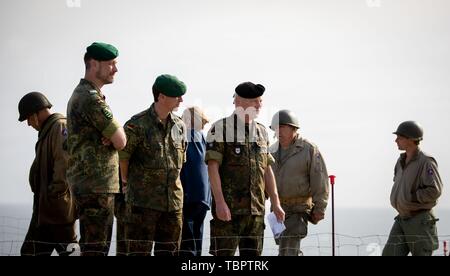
107	113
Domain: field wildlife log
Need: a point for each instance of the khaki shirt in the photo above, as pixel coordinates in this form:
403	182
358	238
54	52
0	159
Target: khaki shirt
92	166
242	152
302	177
417	185
156	154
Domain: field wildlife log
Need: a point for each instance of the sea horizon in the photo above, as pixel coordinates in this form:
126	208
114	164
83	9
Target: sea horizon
358	232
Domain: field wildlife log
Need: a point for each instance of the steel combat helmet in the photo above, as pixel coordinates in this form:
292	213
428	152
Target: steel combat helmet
411	130
31	103
284	117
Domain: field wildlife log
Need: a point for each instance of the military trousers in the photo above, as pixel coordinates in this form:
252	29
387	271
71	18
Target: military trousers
296	229
243	231
96	223
121	215
41	240
147	227
416	235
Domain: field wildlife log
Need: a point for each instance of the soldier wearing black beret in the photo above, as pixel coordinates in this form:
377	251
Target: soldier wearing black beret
249	90
240	175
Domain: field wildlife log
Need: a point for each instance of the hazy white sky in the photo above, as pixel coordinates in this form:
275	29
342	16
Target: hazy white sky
351	70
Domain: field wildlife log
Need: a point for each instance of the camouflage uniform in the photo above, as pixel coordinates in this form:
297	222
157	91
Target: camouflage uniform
242	153
93	167
156	153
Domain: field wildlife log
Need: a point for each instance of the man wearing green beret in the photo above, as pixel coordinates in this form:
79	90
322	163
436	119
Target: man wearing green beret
94	138
150	166
240	175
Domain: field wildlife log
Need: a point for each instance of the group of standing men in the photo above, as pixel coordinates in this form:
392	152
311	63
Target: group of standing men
156	173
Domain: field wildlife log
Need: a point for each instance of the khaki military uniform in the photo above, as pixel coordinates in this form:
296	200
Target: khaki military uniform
242	152
302	184
417	187
156	153
93	169
52	224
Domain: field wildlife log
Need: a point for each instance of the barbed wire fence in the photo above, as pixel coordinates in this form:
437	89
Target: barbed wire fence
13	231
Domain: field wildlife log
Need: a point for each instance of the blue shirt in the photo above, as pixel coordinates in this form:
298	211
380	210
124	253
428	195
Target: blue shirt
194	174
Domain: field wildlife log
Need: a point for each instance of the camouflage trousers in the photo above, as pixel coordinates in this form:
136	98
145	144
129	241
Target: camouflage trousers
416	235
96	222
145	226
296	229
245	232
120	214
41	240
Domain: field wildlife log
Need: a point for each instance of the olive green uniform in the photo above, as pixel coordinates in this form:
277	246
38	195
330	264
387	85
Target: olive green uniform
417	187
302	184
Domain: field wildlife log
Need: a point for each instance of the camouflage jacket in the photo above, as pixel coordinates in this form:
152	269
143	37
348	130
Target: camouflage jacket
242	152
156	154
92	167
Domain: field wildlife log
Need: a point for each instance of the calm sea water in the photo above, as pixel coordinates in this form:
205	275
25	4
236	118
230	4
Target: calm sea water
359	231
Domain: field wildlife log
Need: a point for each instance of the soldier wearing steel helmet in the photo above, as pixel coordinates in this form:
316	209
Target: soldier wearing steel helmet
52	225
302	181
417	187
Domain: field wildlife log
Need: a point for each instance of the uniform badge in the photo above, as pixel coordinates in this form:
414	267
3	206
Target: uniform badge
430	172
64	132
237	150
107	113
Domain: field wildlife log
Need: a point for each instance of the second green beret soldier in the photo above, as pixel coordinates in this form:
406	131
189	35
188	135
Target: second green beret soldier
240	175
94	138
150	168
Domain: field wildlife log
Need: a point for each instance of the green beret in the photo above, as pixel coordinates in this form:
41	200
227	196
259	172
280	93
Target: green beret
102	51
170	86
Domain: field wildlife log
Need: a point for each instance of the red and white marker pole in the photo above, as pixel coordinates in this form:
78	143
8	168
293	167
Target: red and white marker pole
332	177
445	248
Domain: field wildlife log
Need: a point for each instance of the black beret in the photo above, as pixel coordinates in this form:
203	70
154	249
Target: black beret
249	90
